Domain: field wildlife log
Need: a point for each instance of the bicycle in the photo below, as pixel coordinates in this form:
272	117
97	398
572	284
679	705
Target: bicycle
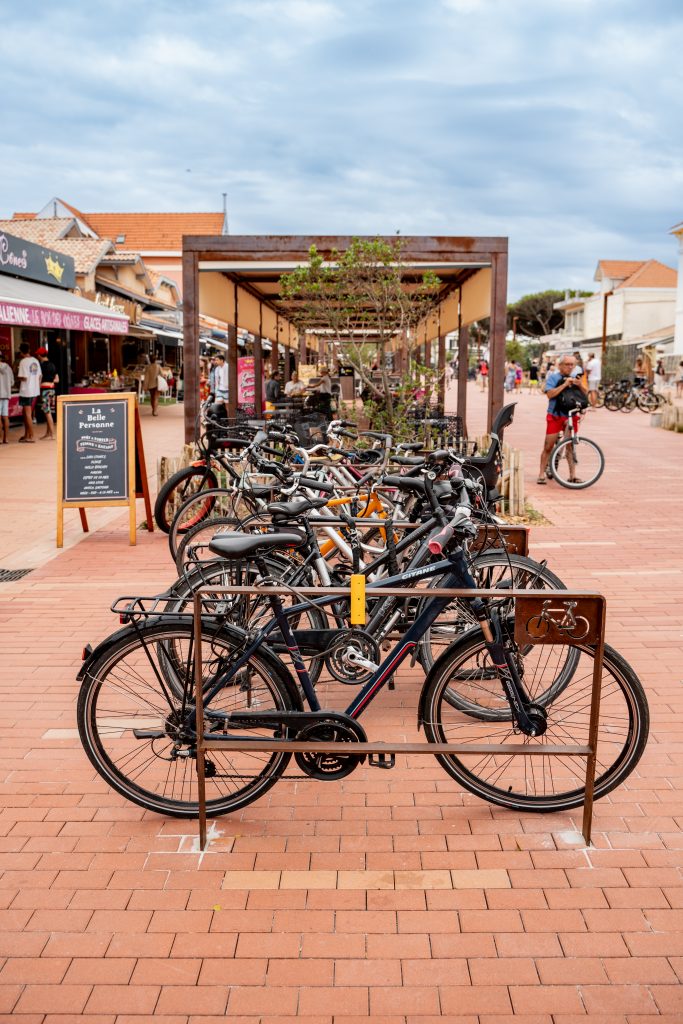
138	725
567	623
571	451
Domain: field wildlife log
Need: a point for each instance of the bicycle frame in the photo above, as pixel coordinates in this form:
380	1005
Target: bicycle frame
458	576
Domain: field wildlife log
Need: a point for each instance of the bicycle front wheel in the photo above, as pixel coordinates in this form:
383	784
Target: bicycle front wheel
577	463
539	782
130	717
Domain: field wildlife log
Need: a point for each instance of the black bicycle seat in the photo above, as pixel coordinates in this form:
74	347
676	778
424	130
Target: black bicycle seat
408	460
242	545
294	509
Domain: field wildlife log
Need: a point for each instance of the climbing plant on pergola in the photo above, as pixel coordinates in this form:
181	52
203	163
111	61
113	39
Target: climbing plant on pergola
358	297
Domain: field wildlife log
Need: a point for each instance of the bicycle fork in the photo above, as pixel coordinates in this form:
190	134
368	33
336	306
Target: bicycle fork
502	658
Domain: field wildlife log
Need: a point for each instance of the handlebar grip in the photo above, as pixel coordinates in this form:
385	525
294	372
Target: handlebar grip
348	433
440	540
270	451
316	485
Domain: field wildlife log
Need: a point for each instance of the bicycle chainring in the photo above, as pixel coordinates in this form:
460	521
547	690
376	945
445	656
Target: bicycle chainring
339	661
332	766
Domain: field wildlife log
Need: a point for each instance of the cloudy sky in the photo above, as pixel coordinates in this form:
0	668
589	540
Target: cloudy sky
554	122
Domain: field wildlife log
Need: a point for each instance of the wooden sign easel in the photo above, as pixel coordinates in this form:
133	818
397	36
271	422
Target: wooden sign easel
101	458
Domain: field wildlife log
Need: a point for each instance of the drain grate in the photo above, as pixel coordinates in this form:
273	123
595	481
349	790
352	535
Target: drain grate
10	575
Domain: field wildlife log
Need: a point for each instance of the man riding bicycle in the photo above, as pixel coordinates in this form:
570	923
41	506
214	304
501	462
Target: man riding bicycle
568	375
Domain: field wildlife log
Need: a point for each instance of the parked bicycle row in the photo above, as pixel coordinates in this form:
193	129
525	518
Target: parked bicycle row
275	666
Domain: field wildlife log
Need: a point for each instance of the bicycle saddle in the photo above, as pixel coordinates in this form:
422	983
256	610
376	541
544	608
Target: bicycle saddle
242	545
407	460
296	508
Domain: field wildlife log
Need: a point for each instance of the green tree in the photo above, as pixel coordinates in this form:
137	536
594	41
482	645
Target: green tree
533	315
360	297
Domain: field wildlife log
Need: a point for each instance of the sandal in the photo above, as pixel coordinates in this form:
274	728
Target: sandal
575	480
541	480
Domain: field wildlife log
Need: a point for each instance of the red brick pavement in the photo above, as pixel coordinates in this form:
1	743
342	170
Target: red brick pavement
390	897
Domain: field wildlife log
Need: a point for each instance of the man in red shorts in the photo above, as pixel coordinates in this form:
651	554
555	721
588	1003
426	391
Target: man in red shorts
567	375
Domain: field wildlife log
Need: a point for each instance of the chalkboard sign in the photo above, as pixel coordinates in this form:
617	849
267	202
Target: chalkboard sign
96	451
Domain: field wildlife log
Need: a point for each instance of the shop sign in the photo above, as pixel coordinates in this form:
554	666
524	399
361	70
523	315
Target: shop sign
246	381
23	315
35	262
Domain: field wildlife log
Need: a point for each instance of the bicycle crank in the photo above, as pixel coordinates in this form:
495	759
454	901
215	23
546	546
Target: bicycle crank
330	766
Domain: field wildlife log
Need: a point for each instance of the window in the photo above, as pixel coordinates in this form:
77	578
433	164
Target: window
120	239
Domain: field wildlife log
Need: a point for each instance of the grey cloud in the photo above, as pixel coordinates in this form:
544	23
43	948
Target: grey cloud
556	124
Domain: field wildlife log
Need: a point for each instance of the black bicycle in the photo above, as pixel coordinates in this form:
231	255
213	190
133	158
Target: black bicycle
137	719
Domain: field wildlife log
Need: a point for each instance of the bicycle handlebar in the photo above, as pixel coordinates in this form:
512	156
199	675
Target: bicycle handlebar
438	542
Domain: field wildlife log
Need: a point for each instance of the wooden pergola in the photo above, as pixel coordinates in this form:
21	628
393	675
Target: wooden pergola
236	279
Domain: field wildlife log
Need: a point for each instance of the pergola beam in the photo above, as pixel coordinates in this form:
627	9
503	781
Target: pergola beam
469	253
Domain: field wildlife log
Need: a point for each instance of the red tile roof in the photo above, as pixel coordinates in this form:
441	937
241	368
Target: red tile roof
87	252
651	274
154	232
637	273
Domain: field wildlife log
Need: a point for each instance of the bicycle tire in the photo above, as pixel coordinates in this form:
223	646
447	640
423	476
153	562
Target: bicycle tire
543	627
517	782
199	537
613	401
648	403
560	451
135	699
174	492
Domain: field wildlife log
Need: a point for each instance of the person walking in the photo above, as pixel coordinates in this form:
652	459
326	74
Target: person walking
324	390
679	380
150	382
48	394
29	377
273	387
6	382
533	376
594	372
220	379
660	376
483	375
567	375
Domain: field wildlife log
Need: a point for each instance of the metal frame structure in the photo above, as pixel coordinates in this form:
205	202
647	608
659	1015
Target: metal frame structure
254	262
528	603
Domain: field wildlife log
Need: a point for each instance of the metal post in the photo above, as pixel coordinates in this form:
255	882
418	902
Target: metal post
497	329
593	728
190	342
199	705
604	324
232	369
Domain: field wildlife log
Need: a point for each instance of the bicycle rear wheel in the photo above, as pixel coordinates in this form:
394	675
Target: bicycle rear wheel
182	485
541	782
127	689
577	463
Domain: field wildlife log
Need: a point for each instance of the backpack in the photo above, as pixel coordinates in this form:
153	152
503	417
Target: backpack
569	399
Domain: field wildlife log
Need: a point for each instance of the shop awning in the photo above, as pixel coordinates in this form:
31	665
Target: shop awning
27	304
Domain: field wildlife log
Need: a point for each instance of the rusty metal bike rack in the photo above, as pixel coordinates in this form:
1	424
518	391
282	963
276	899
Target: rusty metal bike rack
531	606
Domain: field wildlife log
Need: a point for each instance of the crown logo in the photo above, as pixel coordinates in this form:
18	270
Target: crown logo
54	269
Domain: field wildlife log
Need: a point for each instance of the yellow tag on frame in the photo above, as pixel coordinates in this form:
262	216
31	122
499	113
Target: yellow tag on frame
357	617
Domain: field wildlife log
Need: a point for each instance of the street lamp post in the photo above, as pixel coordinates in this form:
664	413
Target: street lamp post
604	323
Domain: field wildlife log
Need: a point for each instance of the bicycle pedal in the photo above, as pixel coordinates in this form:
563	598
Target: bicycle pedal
382	760
391	685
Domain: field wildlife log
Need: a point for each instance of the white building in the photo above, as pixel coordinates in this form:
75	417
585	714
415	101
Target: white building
639	297
678	331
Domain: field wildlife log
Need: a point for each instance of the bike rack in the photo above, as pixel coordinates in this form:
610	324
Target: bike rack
529	605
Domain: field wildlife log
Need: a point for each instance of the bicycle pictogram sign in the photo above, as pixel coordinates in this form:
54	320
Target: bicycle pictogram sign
554	620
